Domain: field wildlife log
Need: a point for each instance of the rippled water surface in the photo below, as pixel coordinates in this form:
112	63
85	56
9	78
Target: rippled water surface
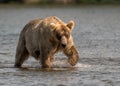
96	35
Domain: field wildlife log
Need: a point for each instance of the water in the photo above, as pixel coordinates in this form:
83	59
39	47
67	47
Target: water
96	35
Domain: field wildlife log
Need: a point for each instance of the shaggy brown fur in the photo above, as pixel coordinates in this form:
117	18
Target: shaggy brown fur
42	38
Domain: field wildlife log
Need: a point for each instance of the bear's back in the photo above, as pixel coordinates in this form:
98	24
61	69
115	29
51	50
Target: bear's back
43	22
53	19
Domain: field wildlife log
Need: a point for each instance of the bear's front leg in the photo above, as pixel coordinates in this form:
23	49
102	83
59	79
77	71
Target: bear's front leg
72	55
45	60
46	63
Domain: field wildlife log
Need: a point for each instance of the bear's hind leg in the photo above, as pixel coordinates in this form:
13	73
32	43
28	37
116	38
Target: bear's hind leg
72	55
21	54
21	57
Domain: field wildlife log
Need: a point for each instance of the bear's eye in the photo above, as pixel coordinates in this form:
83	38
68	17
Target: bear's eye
58	36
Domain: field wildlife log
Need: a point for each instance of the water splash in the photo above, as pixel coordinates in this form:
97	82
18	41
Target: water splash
81	65
64	64
61	64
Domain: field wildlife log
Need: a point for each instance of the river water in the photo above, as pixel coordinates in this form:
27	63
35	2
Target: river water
96	35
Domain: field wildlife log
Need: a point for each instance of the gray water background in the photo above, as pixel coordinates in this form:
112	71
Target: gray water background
96	36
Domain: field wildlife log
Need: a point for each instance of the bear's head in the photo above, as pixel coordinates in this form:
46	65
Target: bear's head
62	32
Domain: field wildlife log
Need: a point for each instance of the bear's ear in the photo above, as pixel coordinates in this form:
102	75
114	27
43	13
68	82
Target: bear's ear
70	24
53	25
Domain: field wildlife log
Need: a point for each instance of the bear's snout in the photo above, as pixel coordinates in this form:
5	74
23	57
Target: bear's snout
63	42
63	45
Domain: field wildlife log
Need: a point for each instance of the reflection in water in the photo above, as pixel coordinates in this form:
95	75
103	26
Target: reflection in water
49	76
56	66
47	69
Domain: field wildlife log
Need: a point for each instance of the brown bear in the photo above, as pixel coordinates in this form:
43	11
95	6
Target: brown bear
42	38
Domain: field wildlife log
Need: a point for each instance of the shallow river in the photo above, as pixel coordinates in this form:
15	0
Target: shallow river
96	35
